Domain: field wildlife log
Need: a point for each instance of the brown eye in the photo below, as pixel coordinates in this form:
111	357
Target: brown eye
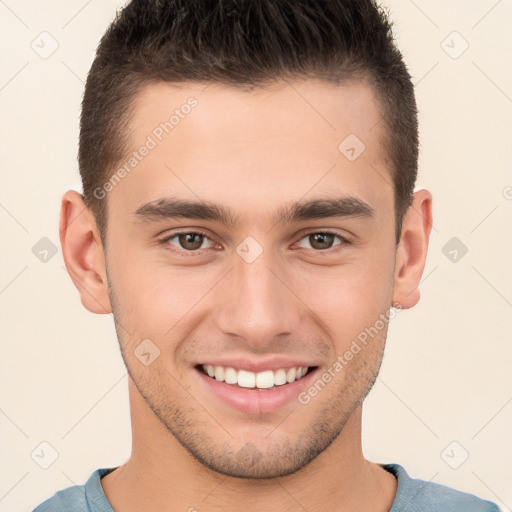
187	242
190	241
321	240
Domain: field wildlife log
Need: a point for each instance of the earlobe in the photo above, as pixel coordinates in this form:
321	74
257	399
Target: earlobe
412	250
83	253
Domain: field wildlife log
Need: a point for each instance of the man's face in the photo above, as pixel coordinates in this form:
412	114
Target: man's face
262	292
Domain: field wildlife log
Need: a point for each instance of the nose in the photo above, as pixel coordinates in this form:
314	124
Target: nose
258	303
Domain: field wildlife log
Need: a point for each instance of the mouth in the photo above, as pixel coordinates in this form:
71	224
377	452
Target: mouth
262	392
260	381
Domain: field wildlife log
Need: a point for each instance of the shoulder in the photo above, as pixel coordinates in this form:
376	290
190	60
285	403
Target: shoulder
79	498
414	495
71	499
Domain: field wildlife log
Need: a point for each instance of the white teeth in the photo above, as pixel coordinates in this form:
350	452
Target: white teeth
219	372
265	379
261	380
230	376
246	379
280	377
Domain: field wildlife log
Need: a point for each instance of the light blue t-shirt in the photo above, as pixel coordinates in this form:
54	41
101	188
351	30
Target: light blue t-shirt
412	495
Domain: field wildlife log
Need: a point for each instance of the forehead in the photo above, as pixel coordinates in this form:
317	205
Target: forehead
317	106
244	147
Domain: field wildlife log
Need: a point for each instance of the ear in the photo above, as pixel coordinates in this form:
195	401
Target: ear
412	250
83	253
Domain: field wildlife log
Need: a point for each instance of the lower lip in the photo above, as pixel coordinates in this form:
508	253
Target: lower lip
254	401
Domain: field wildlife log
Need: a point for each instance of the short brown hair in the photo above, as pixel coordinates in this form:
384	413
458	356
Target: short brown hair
244	43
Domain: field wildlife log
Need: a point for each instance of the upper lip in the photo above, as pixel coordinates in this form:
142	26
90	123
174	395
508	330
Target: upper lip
259	365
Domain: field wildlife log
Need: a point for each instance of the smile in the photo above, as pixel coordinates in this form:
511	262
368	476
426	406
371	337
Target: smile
260	380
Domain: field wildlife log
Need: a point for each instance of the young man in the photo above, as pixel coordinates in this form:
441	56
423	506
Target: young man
248	215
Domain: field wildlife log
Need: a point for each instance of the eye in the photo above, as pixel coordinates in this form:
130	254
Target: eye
323	240
190	241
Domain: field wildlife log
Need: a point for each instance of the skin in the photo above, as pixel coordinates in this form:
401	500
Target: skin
252	152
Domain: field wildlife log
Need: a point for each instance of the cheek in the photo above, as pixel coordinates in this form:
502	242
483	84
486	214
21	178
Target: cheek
349	298
153	296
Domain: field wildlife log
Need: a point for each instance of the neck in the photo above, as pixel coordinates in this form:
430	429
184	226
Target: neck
162	475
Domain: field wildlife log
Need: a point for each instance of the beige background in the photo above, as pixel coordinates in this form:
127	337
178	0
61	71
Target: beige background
446	373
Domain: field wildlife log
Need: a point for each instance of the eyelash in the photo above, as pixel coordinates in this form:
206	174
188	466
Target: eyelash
165	242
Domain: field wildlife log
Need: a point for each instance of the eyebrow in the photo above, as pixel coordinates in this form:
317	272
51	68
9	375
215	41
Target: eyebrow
171	208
